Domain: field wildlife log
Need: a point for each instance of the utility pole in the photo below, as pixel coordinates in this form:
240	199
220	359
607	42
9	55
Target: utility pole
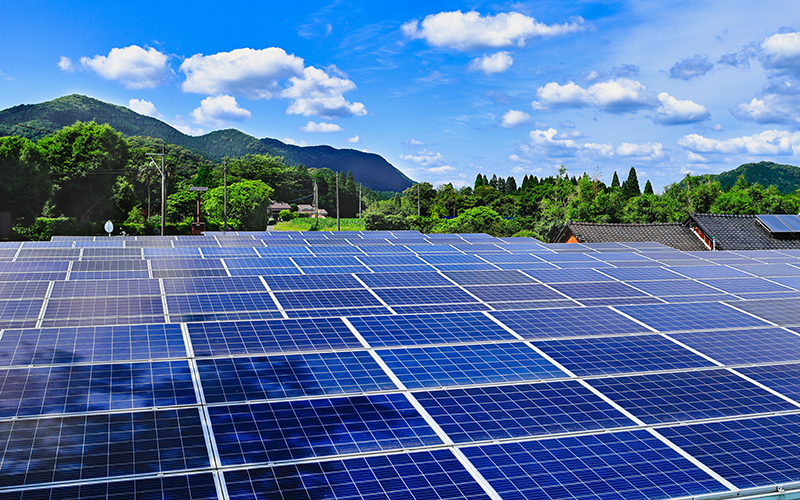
359	201
418	210
225	192
338	226
316	210
163	173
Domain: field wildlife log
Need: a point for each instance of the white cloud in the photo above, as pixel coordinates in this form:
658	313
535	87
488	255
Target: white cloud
649	151
564	145
770	109
782	53
134	67
353	140
216	110
250	73
289	140
518	159
514	118
695	158
441	170
615	96
471	31
425	158
413	142
145	108
495	63
66	64
677	112
186	129
766	143
691	67
318	94
321	127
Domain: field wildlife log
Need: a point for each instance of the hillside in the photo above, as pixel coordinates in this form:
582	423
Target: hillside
785	177
35	121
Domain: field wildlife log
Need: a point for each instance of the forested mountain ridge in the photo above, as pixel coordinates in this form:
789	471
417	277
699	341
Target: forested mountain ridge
35	121
784	177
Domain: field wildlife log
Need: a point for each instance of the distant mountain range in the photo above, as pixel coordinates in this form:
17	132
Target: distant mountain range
38	120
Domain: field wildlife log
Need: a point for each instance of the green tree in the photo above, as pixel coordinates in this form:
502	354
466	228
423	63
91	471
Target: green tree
25	185
648	188
86	159
615	180
630	187
248	205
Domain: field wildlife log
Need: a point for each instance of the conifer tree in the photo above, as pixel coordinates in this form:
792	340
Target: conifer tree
648	188
615	180
630	187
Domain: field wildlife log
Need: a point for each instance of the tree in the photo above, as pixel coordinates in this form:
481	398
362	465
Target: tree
615	180
479	181
630	187
248	205
25	185
648	188
86	159
511	185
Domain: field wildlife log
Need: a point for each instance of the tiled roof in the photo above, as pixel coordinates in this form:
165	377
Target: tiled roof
740	232
673	234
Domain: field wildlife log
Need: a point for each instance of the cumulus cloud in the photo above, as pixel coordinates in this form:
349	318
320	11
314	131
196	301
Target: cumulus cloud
648	151
250	73
413	142
495	63
216	110
766	143
614	96
471	31
770	109
677	112
441	170
316	93
144	108
782	53
353	140
133	66
565	144
514	118
321	127
425	158
691	67
66	65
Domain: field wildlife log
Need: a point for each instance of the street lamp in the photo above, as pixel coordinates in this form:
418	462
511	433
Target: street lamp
198	227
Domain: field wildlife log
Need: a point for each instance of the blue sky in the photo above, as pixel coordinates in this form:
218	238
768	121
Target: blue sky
442	90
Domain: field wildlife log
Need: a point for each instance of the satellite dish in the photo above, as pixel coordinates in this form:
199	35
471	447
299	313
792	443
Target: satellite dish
109	227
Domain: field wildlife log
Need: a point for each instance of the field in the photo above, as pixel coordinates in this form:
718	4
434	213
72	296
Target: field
307	224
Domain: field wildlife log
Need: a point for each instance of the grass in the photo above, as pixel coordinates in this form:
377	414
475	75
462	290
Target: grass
306	224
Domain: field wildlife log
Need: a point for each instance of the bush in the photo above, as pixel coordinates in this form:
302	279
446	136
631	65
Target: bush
287	215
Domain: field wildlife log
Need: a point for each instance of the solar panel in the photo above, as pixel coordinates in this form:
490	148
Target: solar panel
221	284
488	277
264	337
291	430
315	299
505	293
105	288
60	311
440	308
245	263
774	225
404	279
605	356
684	396
425	329
581	321
770	270
23	289
435	259
744	346
747	452
275	377
640	274
424	295
336	312
791	220
334	270
567	275
433	367
312	282
779	311
745	285
265	271
611	465
606	289
226	302
676	317
677	287
429	474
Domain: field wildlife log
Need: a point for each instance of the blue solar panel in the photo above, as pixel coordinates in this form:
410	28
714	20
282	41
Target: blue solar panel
429	329
443	366
499	277
186	264
33	276
200	304
558	258
28	267
436	259
245	379
192	486
779	311
91	344
312	282
507	293
222	284
705	272
404	279
448	268
403	269
424	475
619	256
641	274
424	295
23	289
782	378
326	261
84	388
746	452
567	275
667	288
746	285
770	270
299	250
790	281
264	271
391	260
105	288
188	273
314	299
579	321
291	430
440	308
683	396
600	466
337	312
744	346
245	263
262	337
11	310
702	316
335	270
598	290
604	356
100	446
485	413
102	307
110	265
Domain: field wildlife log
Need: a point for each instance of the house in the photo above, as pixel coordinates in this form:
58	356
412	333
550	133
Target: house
744	232
673	234
308	211
276	207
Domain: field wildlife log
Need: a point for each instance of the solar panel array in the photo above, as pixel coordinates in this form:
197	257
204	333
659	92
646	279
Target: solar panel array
395	365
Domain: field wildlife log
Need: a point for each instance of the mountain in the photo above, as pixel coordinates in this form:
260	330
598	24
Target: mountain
785	177
35	121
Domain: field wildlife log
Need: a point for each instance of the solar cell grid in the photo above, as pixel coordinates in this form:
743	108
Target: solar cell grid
465	267
93	388
315	299
610	465
676	287
684	396
186	264
745	285
747	452
404	279
240	263
567	275
103	307
499	277
435	259
105	288
430	367
327	261
16	310
429	329
335	270
779	311
744	346
289	251
704	272
207	303
605	356
770	270
312	282
784	378
23	289
403	269
108	275
435	474
33	266
424	295
245	379
337	312
580	321
701	316
220	284
595	290
100	446
640	273
291	430
276	336
505	293
440	308
261	271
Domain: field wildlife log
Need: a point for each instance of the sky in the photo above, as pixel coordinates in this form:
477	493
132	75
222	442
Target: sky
442	90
